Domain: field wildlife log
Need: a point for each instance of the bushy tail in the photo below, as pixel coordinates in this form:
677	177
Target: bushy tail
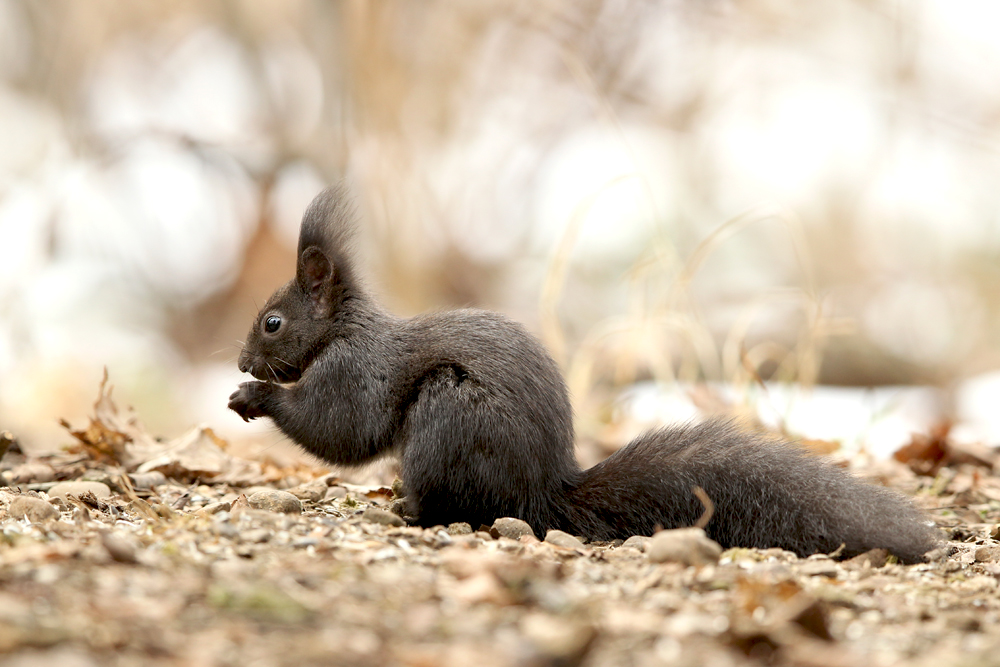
766	493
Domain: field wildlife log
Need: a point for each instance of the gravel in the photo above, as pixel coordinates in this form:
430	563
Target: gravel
511	527
35	510
273	500
689	546
383	517
561	539
214	579
64	489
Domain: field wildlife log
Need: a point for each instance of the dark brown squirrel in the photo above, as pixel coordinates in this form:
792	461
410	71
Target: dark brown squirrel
479	415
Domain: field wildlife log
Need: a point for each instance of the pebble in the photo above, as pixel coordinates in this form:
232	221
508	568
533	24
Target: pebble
511	527
312	492
987	554
562	640
689	546
376	515
35	510
118	548
147	480
215	508
32	473
256	535
873	558
639	542
561	539
274	500
459	528
63	489
819	568
338	492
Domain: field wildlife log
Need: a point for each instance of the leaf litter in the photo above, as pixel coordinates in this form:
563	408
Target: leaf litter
125	550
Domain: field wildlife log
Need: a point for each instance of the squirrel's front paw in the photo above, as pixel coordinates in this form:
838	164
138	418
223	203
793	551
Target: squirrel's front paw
248	400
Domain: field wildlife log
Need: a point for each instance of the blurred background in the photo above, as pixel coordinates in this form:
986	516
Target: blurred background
700	205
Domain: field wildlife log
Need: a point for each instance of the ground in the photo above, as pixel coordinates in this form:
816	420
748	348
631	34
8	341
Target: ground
179	553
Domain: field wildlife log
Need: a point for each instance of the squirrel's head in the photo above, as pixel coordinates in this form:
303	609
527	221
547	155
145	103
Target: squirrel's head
303	316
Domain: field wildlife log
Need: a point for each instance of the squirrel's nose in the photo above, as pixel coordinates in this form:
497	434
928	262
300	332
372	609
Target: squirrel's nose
244	363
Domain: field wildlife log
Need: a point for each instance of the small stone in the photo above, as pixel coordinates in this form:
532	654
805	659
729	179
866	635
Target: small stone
120	550
338	492
290	482
871	558
561	539
623	555
689	546
273	500
562	640
459	528
32	473
34	510
256	536
312	492
987	554
821	567
304	542
145	481
213	508
511	527
384	517
63	489
639	542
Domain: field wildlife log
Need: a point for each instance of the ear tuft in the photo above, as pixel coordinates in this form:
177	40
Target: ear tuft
324	240
315	277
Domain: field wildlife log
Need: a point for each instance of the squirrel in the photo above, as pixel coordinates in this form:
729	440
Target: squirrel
479	415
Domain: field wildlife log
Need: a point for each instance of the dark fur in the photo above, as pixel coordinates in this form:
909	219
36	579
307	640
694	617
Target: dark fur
479	415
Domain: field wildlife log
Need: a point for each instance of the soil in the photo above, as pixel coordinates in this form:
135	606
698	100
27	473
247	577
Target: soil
187	555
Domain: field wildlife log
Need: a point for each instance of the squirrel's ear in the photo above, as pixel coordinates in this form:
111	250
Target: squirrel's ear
315	276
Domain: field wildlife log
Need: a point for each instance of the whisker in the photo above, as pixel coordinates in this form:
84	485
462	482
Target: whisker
284	362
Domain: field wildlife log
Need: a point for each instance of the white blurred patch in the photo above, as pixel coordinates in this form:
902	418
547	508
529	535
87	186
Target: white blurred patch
614	185
880	420
295	186
177	222
30	135
295	86
16	48
25	217
923	322
193	85
977	403
960	52
788	140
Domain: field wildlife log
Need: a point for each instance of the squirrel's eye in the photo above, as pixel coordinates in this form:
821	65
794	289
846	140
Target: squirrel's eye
272	324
